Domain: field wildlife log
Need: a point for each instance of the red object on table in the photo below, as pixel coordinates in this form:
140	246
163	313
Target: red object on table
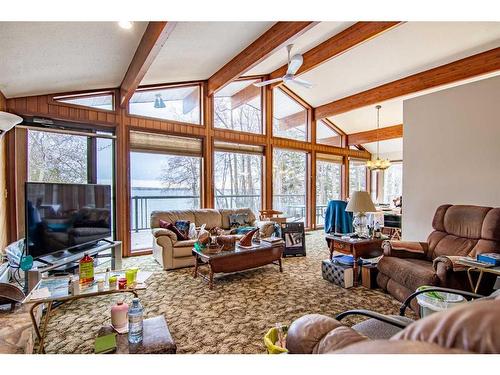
122	283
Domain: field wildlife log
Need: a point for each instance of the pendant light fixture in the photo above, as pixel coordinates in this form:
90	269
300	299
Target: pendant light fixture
378	164
159	103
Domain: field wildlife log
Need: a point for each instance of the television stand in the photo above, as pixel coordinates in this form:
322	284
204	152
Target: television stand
35	274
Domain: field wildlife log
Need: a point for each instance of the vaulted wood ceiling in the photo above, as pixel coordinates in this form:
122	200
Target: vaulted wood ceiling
352	65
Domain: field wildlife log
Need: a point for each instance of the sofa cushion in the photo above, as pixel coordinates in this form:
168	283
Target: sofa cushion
185	243
453	245
210	217
465	221
491	225
183	248
410	273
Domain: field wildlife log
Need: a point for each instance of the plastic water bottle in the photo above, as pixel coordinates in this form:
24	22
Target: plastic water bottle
135	322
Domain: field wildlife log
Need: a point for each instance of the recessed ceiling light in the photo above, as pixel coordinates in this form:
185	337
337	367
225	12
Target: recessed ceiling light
125	25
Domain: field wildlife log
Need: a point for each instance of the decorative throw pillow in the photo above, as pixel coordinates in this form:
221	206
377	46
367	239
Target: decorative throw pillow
166	225
192	231
183	227
238	220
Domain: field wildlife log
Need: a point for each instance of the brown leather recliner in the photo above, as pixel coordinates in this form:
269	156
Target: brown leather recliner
459	230
456	330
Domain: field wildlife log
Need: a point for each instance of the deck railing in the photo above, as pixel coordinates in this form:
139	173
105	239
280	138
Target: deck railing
143	206
292	205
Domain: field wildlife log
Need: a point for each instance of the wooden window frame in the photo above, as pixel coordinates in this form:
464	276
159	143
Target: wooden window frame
307	108
262	173
55	99
156	87
262	110
129	252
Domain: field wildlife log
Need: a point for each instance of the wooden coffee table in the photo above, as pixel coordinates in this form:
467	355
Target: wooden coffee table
357	247
236	260
156	338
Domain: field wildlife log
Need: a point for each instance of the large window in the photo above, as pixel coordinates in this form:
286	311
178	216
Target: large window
164	175
328	183
326	135
58	158
237	176
238	107
102	101
393	182
289	183
68	158
171	103
357	176
289	117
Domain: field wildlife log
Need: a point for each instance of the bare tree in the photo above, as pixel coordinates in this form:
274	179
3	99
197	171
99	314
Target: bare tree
57	157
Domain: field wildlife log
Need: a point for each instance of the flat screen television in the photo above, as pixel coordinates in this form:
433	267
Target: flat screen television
63	217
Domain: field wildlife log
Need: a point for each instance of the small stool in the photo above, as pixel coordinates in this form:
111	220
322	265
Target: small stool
369	276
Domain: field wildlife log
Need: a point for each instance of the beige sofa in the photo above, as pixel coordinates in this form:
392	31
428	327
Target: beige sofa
172	253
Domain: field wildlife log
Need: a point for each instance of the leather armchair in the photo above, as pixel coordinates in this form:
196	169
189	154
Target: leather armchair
459	230
451	331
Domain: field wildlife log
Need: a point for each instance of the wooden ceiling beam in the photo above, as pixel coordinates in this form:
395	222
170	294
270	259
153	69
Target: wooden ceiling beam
152	41
293	121
472	66
244	96
342	42
382	134
278	36
332	141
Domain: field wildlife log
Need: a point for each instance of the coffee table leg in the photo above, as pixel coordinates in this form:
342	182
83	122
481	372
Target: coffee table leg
355	270
195	273
211	278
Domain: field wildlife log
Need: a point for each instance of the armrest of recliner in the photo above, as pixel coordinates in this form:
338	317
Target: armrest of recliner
405	249
315	333
445	266
158	232
463	293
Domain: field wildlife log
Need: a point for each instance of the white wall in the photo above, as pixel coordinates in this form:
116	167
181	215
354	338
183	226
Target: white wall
451	152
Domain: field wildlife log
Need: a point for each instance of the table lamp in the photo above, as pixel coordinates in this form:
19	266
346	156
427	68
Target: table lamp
359	204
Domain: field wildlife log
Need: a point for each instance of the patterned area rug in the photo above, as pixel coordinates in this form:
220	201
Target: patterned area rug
233	317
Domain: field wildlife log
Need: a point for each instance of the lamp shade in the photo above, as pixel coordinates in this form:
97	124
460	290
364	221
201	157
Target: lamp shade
8	121
360	202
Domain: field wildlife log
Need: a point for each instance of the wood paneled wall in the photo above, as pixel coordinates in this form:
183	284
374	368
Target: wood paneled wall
4	223
45	106
122	123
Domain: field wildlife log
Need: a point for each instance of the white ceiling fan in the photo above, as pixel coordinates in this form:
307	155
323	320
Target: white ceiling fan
294	63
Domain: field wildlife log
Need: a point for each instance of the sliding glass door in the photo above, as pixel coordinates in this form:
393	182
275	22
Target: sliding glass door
238	178
328	183
290	183
165	174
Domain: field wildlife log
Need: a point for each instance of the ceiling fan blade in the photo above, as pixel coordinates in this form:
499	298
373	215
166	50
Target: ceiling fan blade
295	64
265	83
302	82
